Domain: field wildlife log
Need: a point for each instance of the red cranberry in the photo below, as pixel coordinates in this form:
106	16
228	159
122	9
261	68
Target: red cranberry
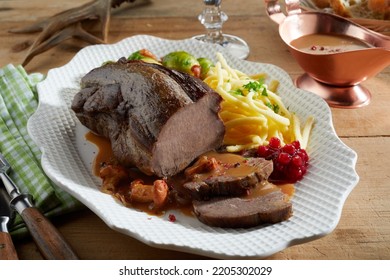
172	218
289	148
296	144
295	174
284	158
274	142
297	161
263	151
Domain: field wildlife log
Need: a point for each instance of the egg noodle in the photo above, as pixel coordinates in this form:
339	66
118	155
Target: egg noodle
251	110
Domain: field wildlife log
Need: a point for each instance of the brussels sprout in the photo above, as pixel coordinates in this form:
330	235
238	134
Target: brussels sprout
135	56
182	61
144	55
205	65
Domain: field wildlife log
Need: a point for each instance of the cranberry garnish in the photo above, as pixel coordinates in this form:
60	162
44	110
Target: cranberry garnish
172	218
290	161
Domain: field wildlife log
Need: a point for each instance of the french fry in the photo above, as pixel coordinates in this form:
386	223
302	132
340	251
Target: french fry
253	112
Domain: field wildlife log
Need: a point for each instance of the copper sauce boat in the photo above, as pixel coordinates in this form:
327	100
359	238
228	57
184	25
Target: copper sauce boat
336	77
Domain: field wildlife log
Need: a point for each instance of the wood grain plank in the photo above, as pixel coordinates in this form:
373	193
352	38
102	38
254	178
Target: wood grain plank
364	228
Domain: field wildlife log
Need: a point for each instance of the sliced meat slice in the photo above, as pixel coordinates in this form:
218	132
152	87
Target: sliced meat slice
233	175
239	212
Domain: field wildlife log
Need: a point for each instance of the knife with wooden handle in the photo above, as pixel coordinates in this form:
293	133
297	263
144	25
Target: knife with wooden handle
7	249
49	240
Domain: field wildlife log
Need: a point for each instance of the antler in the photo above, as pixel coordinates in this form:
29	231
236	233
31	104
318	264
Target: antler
68	24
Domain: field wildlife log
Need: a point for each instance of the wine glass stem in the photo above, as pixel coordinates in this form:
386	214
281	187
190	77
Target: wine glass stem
213	18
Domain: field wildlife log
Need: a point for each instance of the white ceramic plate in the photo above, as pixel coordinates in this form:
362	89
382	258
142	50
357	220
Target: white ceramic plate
67	159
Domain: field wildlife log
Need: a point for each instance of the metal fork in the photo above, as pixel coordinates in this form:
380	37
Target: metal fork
49	240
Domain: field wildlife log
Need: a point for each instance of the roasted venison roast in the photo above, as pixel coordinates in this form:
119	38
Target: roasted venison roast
158	120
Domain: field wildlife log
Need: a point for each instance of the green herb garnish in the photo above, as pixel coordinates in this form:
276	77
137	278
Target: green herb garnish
254	86
273	107
237	92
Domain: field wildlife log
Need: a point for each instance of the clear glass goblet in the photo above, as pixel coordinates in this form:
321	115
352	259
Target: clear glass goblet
213	18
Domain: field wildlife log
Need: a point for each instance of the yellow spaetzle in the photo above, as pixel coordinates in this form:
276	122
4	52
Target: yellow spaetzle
251	111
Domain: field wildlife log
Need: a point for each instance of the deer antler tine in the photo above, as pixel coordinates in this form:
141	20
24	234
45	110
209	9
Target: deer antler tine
105	17
30	29
74	30
79	32
67	24
51	42
69	17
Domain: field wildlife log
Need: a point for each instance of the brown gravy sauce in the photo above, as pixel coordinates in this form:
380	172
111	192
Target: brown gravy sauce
105	154
328	44
233	165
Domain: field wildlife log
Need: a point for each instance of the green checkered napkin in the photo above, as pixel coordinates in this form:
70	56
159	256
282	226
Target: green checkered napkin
18	101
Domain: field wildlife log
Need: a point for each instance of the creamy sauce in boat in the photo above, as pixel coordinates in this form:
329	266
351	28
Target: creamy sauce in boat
328	44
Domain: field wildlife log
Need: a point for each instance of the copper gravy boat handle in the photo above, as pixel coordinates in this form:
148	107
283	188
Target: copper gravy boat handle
275	11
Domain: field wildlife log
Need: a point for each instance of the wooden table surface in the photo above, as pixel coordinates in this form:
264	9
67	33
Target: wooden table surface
364	228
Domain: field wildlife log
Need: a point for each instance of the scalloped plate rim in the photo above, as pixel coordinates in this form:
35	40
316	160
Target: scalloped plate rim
189	248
